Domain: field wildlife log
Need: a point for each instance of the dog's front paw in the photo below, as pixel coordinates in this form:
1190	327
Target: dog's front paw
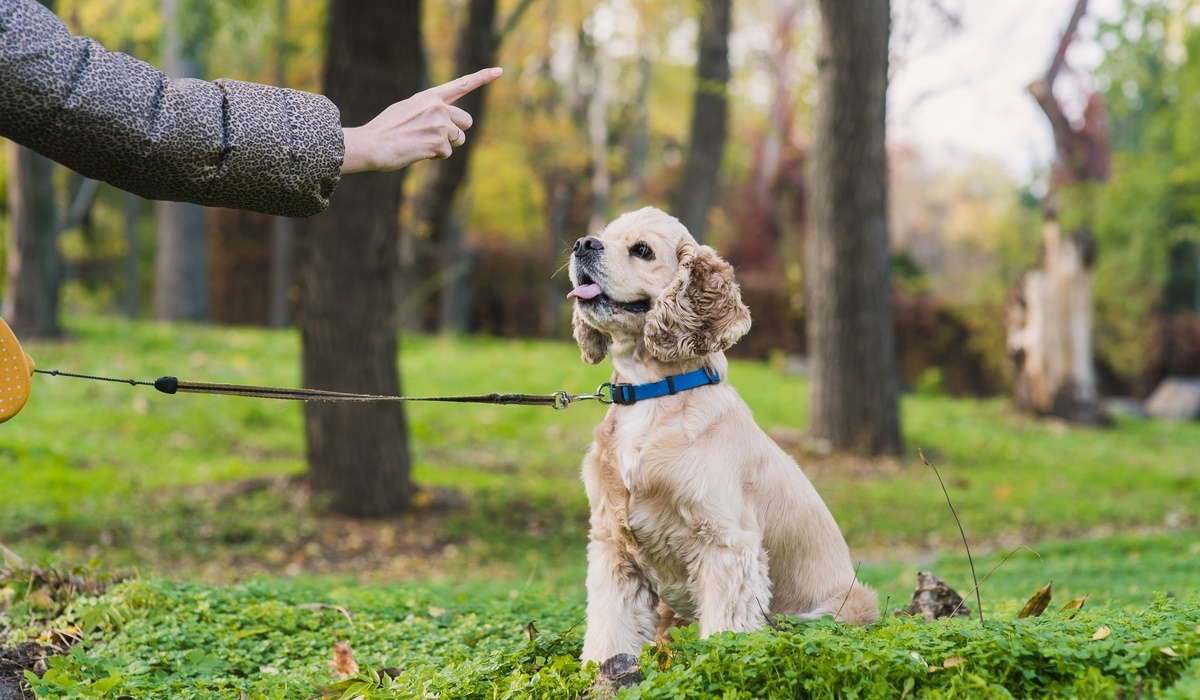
620	671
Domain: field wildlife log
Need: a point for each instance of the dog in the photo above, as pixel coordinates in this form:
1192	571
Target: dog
696	514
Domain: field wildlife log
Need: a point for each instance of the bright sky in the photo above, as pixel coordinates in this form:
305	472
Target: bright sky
963	92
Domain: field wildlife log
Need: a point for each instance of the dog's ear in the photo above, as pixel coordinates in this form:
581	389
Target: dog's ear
592	342
701	311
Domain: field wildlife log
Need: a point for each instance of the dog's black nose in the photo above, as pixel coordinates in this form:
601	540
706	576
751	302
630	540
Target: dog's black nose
583	246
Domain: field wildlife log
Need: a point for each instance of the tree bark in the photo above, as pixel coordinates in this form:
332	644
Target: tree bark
34	266
702	171
849	317
358	452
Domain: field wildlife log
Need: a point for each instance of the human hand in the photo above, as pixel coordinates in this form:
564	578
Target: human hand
426	125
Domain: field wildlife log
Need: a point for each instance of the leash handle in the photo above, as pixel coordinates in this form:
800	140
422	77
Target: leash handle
16	367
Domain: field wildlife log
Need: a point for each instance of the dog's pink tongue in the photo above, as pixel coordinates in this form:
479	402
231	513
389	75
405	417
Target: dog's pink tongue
585	291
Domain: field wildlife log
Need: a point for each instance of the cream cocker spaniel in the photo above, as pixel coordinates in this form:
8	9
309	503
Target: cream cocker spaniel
696	514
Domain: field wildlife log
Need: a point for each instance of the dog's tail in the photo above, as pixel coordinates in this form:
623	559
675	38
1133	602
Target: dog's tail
859	605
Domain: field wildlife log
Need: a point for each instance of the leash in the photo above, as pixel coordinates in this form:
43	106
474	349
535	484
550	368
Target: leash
558	400
17	367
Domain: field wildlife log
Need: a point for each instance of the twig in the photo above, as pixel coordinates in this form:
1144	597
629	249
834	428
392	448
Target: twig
327	606
511	21
848	590
562	635
766	615
989	574
1060	53
970	559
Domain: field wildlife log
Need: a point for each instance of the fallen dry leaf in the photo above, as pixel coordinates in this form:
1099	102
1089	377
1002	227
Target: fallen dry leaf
952	661
1101	633
1036	605
61	635
1075	605
343	663
1168	651
662	654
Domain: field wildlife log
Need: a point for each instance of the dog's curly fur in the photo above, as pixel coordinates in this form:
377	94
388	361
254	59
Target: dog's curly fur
695	512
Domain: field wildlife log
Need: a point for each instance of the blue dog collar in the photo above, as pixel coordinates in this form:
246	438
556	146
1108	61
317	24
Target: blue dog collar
626	394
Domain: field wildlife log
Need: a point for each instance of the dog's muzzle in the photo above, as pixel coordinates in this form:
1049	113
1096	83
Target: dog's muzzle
587	251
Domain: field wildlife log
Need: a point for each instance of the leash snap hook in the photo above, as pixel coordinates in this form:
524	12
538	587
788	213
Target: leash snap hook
562	399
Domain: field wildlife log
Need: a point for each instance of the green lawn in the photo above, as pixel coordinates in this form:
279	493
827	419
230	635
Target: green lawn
201	490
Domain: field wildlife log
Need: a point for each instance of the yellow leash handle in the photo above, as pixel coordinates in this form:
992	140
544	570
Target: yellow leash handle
16	367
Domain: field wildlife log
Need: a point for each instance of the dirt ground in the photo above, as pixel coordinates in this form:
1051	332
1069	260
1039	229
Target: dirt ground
13	664
414	546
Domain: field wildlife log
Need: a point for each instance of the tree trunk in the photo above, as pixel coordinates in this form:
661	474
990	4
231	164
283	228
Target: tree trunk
592	70
133	257
34	266
639	146
1050	318
703	168
180	258
1050	338
358	452
849	316
239	266
560	193
180	263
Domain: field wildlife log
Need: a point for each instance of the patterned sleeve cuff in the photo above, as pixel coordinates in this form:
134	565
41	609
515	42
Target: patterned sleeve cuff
282	151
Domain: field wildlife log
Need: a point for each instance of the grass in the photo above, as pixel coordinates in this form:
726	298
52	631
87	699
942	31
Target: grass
204	490
273	639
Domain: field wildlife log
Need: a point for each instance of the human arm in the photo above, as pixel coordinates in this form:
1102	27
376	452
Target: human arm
426	125
113	118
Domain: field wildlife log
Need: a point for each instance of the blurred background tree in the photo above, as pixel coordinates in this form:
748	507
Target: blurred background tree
1148	211
1050	332
180	250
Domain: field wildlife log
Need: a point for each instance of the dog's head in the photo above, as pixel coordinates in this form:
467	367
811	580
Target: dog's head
644	275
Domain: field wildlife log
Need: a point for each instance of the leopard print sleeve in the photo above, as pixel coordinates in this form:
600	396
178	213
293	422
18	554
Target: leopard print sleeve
114	118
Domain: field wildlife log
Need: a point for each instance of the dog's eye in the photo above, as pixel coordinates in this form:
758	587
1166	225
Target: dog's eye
642	251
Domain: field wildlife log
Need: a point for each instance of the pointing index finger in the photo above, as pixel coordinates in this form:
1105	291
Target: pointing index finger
455	89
